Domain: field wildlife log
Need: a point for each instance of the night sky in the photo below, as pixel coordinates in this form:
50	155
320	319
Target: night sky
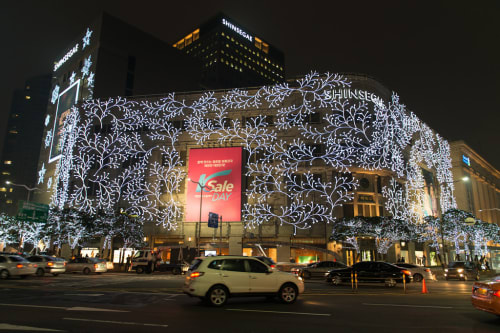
441	57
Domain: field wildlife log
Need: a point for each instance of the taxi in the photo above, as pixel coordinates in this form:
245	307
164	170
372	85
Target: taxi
486	295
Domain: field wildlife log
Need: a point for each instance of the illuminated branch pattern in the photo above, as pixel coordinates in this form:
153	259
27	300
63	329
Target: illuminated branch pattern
111	150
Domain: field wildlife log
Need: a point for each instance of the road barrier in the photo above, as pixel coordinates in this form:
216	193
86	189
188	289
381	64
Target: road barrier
424	287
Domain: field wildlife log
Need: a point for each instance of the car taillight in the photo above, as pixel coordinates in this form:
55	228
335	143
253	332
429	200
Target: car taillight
196	274
273	266
497	293
404	271
50	263
427	270
95	265
19	265
65	263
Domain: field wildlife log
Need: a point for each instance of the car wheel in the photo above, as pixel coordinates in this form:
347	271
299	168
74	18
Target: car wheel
176	271
55	274
86	271
217	295
391	283
305	274
417	277
4	274
40	272
139	270
288	293
336	280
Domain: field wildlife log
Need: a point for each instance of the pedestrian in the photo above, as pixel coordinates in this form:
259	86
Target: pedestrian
402	259
487	264
127	265
424	259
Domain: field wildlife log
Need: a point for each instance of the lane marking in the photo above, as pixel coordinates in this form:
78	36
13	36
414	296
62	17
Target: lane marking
81	308
26	328
411	306
115	322
92	295
282	312
75	308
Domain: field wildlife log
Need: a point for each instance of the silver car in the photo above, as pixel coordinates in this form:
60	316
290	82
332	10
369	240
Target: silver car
418	272
13	265
48	264
86	266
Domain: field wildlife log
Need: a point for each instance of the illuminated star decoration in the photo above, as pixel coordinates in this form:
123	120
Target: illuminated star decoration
41	174
47	120
90	80
49	183
48	138
72	78
86	67
55	94
86	38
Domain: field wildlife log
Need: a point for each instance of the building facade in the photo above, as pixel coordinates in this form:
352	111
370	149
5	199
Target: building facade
110	58
280	165
21	145
477	189
232	56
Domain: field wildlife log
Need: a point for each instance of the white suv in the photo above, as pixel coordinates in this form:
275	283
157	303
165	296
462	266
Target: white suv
215	279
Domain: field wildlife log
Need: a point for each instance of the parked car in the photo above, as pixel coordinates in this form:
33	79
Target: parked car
370	271
109	264
486	295
215	279
418	272
14	265
266	260
48	264
318	269
462	270
86	266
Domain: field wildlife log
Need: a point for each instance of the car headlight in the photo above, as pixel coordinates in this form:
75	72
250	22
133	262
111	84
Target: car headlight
298	277
446	269
460	270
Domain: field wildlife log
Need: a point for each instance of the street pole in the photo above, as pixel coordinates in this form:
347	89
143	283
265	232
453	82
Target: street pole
220	243
199	223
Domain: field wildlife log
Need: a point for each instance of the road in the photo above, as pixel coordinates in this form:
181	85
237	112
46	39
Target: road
127	302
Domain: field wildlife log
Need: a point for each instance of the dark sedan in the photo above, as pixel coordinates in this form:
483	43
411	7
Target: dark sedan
370	271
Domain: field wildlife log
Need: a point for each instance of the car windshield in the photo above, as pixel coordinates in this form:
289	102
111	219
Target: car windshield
139	254
456	264
17	259
195	264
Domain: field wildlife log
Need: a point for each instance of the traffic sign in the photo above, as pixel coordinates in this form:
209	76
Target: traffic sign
213	220
33	211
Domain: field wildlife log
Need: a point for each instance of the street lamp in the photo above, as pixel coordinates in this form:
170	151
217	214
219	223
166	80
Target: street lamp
29	189
202	187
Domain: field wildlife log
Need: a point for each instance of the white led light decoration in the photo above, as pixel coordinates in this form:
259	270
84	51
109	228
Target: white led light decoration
47	120
86	66
90	80
111	151
48	138
72	78
41	174
55	94
86	38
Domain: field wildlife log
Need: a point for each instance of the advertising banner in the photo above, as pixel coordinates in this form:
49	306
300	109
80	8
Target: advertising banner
214	173
65	102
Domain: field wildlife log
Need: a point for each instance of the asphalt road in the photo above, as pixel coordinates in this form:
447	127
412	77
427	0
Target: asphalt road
127	302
